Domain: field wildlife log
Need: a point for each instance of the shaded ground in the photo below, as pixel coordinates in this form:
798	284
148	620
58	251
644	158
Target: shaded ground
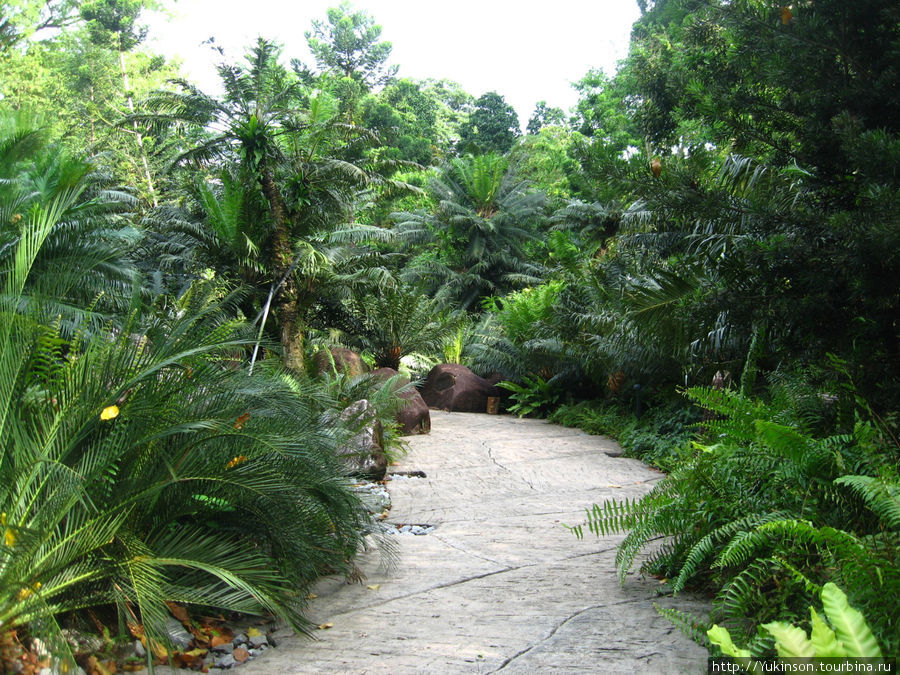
500	585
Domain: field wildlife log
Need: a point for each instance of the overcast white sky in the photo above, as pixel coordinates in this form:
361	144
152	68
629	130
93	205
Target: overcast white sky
525	53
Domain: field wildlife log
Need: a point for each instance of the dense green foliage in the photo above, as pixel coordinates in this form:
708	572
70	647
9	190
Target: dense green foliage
723	210
766	514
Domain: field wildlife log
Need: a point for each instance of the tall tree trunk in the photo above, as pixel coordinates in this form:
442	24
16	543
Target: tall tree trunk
286	302
137	133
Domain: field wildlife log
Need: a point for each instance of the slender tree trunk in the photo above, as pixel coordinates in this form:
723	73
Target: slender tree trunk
137	133
93	130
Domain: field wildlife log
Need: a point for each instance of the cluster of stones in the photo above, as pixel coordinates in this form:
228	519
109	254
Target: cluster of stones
416	530
448	386
242	648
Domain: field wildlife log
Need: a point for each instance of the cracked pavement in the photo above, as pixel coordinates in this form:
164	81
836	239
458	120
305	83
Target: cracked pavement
501	585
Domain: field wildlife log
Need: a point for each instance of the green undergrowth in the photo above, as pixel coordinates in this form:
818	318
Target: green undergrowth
764	504
660	436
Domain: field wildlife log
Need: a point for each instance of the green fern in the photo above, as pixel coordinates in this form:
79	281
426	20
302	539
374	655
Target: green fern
707	546
737	413
880	494
687	623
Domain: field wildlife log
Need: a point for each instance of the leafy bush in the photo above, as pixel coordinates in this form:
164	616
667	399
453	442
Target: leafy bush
592	417
515	338
343	390
764	515
397	322
144	468
535	397
848	635
659	437
140	463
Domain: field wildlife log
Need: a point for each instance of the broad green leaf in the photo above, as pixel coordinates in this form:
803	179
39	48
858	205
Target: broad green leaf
720	636
790	641
849	624
823	639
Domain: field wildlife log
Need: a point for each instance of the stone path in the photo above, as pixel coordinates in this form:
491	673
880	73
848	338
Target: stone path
500	585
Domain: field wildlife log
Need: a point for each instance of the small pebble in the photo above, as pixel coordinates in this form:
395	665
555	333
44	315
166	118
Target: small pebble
257	641
226	661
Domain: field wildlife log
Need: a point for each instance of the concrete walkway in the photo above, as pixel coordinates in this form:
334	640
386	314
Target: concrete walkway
500	585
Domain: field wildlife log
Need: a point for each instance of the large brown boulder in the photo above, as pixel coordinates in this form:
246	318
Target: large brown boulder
414	418
339	359
450	386
363	454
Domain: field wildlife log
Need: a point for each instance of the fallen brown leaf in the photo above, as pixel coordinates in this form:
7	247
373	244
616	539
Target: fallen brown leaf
219	640
240	654
179	612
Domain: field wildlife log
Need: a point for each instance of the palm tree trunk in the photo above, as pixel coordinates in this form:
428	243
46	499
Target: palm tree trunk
286	301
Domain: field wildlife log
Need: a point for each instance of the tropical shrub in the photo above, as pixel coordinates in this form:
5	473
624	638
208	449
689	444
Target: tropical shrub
535	396
140	463
396	322
516	336
761	513
848	634
145	467
475	244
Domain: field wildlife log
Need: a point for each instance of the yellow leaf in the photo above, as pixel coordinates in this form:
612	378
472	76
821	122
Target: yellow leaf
326	626
109	412
240	459
312	596
253	632
373	587
26	592
613	485
159	651
9	537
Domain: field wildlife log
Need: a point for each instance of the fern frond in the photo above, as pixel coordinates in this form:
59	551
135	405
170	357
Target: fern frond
687	623
705	548
880	494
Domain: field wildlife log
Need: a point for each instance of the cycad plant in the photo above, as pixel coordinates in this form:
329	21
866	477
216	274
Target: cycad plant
293	153
399	321
140	464
476	243
86	246
146	467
